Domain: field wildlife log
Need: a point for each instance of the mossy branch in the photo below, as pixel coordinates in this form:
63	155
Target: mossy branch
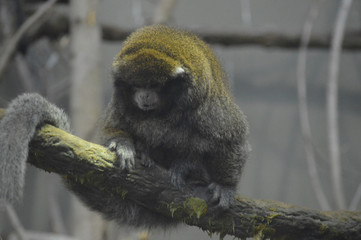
90	166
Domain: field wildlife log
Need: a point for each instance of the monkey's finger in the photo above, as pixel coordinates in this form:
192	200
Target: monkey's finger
122	163
146	160
177	179
112	146
215	193
130	163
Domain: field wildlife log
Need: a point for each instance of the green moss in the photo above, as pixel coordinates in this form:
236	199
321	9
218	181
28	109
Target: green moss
323	229
209	233
255	219
271	216
124	193
116	191
262	230
258	235
262	227
195	206
222	235
81	180
2	112
172	208
93	153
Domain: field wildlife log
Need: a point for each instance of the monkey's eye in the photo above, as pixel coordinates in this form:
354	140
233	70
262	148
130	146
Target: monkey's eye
122	84
154	86
136	86
181	80
175	85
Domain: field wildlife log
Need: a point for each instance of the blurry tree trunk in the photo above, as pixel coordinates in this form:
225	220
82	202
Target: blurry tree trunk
8	26
303	109
163	11
7	21
332	103
86	98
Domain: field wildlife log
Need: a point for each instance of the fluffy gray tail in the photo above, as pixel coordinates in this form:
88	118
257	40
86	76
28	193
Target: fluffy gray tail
17	128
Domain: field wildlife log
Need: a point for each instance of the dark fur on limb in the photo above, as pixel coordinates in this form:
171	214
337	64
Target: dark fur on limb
89	167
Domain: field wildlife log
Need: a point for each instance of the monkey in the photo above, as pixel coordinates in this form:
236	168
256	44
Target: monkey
171	106
172	97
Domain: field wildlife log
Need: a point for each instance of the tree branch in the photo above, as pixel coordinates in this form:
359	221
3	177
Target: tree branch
59	25
90	166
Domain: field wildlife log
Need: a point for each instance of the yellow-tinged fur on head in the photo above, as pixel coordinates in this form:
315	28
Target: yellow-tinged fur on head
160	51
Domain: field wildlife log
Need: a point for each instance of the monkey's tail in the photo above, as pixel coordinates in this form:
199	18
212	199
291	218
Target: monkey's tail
23	115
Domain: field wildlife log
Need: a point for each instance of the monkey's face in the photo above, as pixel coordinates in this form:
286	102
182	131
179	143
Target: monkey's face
144	93
147	99
150	82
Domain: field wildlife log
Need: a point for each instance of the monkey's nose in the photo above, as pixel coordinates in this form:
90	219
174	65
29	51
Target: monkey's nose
145	96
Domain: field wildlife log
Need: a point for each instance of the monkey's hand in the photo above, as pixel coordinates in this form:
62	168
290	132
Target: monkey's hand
177	178
125	152
179	173
144	158
143	155
221	197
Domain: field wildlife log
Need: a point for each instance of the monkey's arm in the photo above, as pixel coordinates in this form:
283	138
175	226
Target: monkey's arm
90	167
116	138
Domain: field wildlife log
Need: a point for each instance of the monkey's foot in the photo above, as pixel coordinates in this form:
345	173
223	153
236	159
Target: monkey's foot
125	154
177	178
221	197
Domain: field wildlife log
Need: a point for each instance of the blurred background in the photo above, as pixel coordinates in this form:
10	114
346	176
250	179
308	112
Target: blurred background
306	145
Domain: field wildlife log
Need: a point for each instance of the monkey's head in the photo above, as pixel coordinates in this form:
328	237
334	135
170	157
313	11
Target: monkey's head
149	85
160	68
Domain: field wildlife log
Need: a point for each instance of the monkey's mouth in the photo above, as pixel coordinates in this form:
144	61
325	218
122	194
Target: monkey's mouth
147	107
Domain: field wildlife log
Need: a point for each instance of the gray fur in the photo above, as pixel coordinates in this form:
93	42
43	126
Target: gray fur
23	115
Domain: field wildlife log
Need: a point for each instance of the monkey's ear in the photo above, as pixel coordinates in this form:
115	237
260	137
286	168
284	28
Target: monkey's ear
181	73
178	71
